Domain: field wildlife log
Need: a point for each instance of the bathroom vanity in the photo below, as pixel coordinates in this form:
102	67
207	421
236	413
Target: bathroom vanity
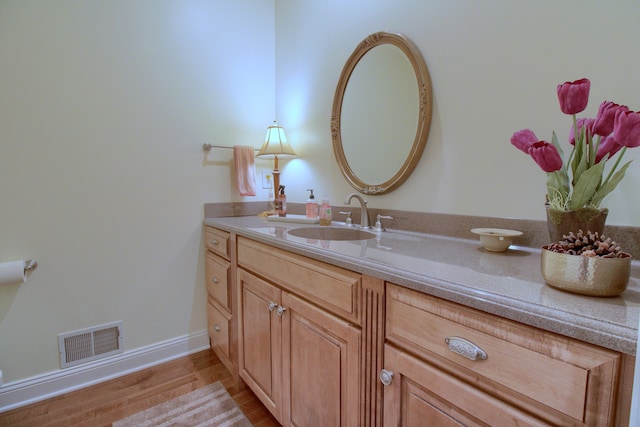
412	329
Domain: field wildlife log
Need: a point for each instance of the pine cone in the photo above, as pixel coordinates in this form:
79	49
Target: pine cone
588	244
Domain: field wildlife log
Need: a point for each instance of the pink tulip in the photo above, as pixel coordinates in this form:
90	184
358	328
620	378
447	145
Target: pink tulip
582	123
546	156
626	129
608	145
574	96
523	139
603	125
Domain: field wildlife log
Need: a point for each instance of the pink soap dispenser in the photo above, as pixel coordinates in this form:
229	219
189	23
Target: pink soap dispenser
311	206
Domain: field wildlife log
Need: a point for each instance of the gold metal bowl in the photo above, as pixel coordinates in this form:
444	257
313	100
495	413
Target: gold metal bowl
593	276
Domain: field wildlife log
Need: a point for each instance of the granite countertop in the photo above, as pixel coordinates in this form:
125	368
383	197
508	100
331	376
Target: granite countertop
507	284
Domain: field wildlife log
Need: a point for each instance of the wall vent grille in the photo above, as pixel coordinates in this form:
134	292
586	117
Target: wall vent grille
90	344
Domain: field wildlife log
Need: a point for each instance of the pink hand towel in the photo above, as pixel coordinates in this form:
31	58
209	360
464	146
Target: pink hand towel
245	169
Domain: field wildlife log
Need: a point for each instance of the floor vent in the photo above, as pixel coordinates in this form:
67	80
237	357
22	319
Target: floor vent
90	344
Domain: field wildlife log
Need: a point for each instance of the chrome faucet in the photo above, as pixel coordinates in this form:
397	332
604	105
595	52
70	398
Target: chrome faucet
364	214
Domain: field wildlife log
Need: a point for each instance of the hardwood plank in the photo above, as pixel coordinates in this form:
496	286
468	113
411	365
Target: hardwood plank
104	403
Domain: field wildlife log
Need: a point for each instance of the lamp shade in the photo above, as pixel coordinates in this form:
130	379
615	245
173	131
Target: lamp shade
275	143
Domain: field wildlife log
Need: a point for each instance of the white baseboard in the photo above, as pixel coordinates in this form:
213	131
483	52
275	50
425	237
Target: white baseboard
30	390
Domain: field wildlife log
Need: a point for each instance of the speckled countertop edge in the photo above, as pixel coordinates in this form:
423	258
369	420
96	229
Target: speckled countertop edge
608	322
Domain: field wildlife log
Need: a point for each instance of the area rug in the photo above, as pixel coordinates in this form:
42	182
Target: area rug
207	406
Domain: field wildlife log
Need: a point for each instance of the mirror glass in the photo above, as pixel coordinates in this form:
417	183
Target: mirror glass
389	126
381	113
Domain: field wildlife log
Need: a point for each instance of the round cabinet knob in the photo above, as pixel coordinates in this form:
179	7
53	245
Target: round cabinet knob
214	242
281	310
386	377
272	306
215	280
216	328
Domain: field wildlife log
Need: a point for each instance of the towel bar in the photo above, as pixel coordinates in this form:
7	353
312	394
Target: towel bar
208	147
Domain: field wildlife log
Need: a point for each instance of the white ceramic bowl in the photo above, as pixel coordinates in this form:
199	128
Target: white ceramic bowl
496	239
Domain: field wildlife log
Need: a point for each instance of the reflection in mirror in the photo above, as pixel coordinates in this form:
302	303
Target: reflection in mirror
381	113
385	79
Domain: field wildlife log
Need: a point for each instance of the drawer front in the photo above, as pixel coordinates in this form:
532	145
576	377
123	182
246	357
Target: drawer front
217	241
563	374
333	288
218	272
419	394
218	322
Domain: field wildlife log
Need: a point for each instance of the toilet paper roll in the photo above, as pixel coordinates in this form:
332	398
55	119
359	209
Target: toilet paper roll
12	272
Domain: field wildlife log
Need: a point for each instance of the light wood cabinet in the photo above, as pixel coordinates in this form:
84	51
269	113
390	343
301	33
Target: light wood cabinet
220	290
260	340
321	367
311	340
457	366
420	394
301	360
218	241
335	289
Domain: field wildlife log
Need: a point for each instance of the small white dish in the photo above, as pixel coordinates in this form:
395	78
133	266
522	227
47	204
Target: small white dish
496	239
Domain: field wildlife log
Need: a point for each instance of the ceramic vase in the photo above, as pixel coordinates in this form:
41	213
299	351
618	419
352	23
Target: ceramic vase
561	223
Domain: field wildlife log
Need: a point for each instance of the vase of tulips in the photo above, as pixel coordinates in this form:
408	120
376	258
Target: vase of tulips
578	185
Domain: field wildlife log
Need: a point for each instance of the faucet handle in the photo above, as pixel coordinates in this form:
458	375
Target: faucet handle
379	218
348	221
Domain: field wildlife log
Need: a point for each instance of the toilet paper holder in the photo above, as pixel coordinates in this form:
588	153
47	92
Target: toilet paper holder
30	265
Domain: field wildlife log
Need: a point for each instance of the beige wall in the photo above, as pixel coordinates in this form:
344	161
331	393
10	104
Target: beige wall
104	107
495	66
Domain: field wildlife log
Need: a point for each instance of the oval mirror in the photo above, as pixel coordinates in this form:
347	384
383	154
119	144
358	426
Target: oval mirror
381	113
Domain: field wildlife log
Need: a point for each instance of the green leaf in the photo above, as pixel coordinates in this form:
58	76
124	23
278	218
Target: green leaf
578	164
584	155
554	141
610	185
586	186
558	188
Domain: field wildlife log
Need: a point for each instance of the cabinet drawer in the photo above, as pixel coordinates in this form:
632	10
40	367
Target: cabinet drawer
422	395
333	288
217	241
218	271
574	378
218	322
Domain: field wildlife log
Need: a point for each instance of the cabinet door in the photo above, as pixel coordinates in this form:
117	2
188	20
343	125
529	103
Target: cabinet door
321	367
421	395
260	340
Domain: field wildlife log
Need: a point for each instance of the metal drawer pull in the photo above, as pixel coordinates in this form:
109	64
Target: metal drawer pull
215	279
272	306
386	377
465	348
214	242
216	328
281	310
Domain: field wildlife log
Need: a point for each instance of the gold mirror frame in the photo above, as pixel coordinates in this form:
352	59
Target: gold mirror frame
424	116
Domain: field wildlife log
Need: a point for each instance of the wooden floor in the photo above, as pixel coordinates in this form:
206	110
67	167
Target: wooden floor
104	403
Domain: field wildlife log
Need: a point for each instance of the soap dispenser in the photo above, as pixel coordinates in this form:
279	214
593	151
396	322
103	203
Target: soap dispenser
325	212
282	202
312	206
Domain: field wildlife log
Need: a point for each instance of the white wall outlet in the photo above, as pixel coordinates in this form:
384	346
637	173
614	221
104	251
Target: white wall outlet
267	179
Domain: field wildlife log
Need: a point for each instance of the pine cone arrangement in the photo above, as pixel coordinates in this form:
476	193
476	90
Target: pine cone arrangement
588	244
